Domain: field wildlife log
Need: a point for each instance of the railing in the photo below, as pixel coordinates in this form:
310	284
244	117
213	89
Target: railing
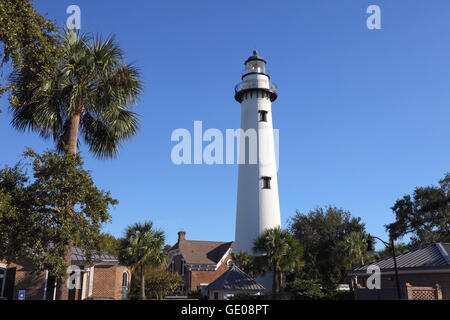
260	84
256	84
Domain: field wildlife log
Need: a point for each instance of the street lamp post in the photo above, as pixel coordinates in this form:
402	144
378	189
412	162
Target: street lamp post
388	244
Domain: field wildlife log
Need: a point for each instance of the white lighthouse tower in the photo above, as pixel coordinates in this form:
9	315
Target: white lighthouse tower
258	206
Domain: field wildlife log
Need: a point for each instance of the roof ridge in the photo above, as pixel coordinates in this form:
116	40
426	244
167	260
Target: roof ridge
224	280
396	256
429	255
443	252
207	241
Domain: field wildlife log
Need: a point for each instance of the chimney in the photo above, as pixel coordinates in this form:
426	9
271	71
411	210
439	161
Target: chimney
181	235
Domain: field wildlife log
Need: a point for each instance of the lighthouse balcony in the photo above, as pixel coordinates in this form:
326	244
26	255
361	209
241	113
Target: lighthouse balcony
255	85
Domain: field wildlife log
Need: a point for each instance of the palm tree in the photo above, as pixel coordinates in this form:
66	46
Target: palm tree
90	93
141	247
280	252
245	262
355	247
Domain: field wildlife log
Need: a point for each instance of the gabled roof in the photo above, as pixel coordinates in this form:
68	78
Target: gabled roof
235	279
434	255
202	252
79	257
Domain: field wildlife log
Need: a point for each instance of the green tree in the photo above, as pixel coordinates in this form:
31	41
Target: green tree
29	42
251	265
109	243
354	248
245	262
90	92
279	252
143	247
425	215
159	282
8	214
305	289
387	251
320	233
42	214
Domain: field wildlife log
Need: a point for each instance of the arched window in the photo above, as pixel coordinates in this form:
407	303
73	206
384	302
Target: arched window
125	279
125	285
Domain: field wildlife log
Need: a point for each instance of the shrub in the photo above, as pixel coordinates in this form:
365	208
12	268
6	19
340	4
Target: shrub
305	289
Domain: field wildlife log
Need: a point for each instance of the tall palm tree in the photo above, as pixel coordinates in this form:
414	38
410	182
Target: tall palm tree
280	252
90	93
355	247
141	247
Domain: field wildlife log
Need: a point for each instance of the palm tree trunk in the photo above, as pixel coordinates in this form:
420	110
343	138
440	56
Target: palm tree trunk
73	133
280	281
277	274
62	291
274	279
142	283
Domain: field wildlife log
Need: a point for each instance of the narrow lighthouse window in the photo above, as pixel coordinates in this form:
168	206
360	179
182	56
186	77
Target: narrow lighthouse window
266	182
262	115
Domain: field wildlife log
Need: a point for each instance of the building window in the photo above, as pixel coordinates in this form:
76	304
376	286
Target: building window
266	182
262	115
125	279
125	285
216	296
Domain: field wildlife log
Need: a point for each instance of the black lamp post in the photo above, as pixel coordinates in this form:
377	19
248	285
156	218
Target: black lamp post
371	247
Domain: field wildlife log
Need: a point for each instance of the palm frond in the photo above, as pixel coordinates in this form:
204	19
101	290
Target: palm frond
92	80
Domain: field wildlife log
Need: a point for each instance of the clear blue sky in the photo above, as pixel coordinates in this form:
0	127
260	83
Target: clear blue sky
363	114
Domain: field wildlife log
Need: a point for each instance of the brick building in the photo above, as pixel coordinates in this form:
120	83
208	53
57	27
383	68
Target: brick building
424	274
199	262
105	278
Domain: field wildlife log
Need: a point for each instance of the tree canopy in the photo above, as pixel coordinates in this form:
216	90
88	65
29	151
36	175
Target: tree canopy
424	215
109	243
321	233
277	251
29	42
41	214
142	247
158	283
354	248
91	91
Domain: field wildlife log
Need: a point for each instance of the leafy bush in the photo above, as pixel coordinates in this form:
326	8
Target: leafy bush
342	295
197	294
305	289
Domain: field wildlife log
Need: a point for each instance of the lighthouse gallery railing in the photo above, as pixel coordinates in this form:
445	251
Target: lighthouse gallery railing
256	84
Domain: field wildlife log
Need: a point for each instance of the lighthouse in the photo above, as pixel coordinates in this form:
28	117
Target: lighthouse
258	206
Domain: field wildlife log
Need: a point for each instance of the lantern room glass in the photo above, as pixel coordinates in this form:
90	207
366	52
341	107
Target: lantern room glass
255	66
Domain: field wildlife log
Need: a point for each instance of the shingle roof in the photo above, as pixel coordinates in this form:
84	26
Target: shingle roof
78	256
429	256
202	252
235	279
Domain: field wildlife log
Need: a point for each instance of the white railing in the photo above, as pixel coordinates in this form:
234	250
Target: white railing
255	84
